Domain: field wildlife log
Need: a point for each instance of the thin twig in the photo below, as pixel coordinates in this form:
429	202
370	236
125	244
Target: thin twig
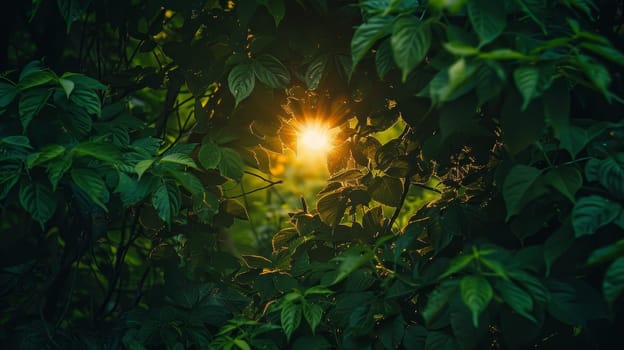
271	184
397	211
262	177
426	187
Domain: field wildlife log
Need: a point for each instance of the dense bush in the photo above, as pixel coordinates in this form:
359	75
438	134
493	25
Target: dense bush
115	211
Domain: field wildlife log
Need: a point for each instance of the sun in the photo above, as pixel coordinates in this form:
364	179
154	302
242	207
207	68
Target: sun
314	138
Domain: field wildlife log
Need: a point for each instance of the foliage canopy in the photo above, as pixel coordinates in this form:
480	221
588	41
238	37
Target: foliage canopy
114	181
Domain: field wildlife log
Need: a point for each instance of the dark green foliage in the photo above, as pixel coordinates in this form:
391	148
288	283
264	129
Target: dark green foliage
493	220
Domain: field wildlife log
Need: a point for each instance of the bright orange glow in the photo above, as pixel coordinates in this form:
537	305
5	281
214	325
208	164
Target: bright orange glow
314	138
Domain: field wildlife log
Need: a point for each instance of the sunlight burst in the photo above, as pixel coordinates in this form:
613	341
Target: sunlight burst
314	138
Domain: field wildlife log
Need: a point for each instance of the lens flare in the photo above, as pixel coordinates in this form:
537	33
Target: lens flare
314	138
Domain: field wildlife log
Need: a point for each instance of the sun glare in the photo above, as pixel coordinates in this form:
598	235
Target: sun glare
314	138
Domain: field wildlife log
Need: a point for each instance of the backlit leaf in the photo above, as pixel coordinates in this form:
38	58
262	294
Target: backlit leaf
387	190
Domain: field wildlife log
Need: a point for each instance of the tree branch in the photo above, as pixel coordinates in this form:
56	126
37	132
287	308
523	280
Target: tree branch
397	211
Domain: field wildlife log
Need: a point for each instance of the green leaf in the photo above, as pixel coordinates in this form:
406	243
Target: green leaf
438	300
235	208
67	85
453	82
276	8
57	168
557	109
257	262
10	173
30	103
209	155
271	71
526	79
565	179
457	264
608	172
534	9
141	167
476	293
387	190
38	200
410	42
607	253
331	208
453	6
488	19
188	181
495	266
84	82
518	188
166	200
71	10
231	164
606	51
180	159
36	78
48	153
87	100
516	298
384	60
557	244
314	73
103	151
290	318
521	127
532	284
7	94
346	175
313	314
351	260
461	49
597	73
575	302
613	283
241	82
241	344
591	213
366	35
91	184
